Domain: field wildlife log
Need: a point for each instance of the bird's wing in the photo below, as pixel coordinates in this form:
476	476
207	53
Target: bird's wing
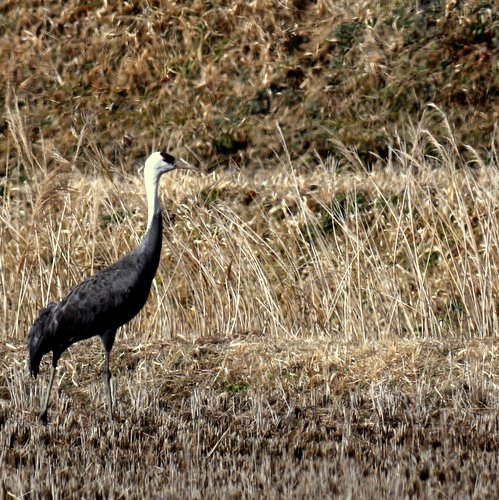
98	301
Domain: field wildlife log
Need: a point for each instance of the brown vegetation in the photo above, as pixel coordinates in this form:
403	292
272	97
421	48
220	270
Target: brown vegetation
308	333
315	329
215	77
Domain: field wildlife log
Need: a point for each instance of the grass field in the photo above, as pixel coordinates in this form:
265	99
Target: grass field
309	332
324	319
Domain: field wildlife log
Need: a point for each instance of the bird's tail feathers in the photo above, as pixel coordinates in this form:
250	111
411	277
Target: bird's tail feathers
42	328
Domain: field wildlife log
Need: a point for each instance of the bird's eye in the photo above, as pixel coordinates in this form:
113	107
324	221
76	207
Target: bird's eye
168	158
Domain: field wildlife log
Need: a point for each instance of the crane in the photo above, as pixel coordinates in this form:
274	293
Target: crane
108	299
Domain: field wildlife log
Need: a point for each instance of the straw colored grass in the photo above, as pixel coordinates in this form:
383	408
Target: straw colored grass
309	332
324	319
214	78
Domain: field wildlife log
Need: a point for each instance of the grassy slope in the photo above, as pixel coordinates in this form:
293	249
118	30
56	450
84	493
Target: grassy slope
216	79
311	330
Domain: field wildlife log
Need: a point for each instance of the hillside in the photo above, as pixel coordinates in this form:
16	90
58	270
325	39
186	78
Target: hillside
213	79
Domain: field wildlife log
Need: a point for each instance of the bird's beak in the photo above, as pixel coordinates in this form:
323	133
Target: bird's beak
184	165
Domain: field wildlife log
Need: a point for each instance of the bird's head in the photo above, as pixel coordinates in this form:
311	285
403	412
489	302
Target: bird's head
160	162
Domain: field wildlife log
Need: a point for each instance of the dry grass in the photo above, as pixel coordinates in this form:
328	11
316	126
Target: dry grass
316	328
252	417
215	77
308	333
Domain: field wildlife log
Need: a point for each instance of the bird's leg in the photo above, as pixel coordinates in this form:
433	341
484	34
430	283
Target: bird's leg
43	414
107	380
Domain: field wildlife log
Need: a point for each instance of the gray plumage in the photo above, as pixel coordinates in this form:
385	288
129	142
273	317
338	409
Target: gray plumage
99	305
108	299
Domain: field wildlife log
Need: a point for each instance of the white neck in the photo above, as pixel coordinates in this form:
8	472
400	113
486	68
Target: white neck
151	181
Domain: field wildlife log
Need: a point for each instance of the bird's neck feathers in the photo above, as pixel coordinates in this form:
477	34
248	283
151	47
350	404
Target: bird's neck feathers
150	246
151	181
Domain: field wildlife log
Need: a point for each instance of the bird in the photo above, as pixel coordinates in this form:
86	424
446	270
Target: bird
110	298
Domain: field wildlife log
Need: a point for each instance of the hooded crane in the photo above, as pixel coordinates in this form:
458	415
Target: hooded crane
108	299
